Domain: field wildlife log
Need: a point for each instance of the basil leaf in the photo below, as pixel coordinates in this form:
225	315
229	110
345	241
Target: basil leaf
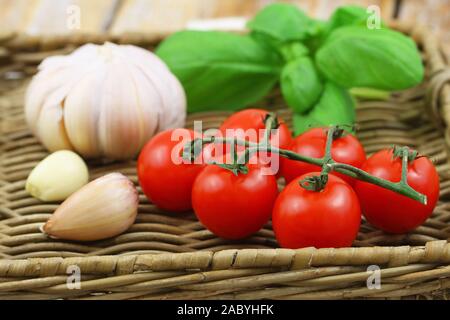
341	17
266	40
282	21
300	84
335	107
271	43
355	56
318	32
293	50
220	70
317	27
348	15
288	51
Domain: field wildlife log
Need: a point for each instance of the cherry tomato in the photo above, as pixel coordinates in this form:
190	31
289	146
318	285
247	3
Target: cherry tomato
391	211
322	219
346	149
233	206
253	119
165	179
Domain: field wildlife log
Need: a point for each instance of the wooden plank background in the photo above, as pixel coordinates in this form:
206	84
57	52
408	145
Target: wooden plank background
45	17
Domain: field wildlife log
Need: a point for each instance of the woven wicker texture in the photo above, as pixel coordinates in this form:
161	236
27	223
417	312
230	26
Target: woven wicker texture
167	256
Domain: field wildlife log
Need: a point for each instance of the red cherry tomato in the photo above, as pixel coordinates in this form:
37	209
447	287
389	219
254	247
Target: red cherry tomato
388	210
346	149
322	219
163	176
253	119
233	206
251	123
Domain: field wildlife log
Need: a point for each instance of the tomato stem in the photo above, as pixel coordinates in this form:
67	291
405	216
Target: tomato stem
399	187
320	182
270	123
326	163
399	152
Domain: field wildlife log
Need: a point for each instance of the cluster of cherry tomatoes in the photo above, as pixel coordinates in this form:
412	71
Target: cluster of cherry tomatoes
234	206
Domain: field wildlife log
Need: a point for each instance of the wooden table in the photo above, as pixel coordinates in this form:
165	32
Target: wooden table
48	17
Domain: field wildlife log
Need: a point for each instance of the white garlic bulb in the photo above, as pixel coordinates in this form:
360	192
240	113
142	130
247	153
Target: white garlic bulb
103	101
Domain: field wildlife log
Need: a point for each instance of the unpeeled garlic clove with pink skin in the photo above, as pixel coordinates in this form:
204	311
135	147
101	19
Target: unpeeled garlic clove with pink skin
101	209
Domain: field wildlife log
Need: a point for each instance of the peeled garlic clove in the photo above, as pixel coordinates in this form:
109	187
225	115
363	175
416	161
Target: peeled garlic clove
101	209
57	176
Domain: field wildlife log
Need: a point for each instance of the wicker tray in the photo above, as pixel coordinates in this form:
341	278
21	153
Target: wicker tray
167	256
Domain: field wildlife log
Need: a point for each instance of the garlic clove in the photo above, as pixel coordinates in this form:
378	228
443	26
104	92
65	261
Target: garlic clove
158	74
57	176
44	102
148	105
174	118
119	128
41	88
50	128
101	209
55	74
81	115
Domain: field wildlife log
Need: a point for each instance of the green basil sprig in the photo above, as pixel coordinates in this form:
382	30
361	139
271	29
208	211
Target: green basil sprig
354	56
335	107
315	63
346	16
300	84
283	22
218	70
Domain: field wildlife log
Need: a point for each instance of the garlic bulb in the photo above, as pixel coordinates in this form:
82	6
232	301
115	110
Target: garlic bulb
103	101
101	209
57	176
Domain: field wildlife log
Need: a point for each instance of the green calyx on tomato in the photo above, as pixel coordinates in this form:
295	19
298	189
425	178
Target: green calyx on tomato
392	212
399	152
314	183
304	218
345	148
